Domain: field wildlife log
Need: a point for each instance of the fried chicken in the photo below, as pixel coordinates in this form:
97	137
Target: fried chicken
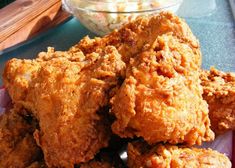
219	92
18	148
138	37
161	97
132	38
67	93
170	156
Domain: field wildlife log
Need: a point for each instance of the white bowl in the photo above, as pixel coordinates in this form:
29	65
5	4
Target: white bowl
103	16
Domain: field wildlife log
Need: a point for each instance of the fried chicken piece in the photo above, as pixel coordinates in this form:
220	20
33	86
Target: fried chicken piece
219	92
132	38
161	96
18	148
67	93
170	156
22	72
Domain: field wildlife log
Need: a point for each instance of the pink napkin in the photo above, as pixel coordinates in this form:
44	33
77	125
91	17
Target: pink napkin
223	143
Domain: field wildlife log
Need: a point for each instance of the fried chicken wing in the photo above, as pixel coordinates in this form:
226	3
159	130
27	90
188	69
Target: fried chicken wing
67	92
219	92
135	36
161	97
18	148
170	156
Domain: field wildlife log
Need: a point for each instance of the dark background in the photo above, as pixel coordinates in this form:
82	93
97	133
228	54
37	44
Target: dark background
4	3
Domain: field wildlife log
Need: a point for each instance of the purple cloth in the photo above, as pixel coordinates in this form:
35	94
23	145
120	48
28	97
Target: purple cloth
5	100
222	143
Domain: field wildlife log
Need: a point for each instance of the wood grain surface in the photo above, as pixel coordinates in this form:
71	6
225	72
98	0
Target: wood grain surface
23	19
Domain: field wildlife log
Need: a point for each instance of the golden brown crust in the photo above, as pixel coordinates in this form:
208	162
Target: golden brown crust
66	94
161	97
219	92
17	145
133	37
141	155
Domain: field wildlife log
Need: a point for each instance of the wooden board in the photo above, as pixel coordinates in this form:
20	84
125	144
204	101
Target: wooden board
23	19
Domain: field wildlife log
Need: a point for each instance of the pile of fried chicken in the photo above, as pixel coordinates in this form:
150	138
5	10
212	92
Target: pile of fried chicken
142	85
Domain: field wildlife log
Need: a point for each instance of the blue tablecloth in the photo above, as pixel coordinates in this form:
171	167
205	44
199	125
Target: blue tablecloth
215	30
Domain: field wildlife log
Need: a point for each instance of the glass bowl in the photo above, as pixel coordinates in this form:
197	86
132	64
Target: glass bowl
103	16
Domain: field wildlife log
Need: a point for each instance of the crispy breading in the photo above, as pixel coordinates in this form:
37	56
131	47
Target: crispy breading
132	38
67	92
18	77
141	155
219	92
161	96
18	148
